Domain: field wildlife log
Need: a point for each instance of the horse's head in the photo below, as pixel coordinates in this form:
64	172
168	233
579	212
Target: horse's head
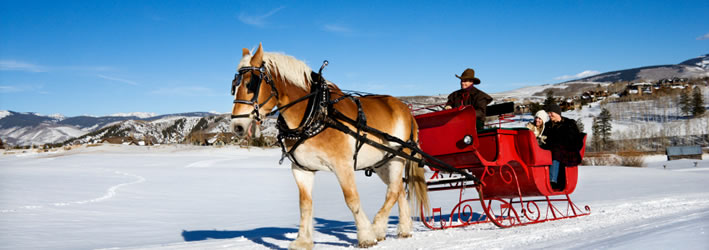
254	93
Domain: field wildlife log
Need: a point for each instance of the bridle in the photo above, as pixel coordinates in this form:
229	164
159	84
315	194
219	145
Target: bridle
255	86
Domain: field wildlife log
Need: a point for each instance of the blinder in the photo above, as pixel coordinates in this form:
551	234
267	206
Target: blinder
255	80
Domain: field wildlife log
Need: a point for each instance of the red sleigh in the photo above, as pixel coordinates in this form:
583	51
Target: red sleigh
513	170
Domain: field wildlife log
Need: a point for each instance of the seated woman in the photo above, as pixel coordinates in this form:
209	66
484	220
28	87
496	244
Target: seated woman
537	126
564	140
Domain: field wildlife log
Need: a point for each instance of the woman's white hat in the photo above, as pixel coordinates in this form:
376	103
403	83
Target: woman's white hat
542	115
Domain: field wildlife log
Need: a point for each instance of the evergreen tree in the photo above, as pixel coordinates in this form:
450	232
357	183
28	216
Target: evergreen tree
684	103
596	139
697	104
604	128
550	99
579	124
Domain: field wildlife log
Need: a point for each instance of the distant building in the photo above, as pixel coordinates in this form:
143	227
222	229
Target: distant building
684	152
640	88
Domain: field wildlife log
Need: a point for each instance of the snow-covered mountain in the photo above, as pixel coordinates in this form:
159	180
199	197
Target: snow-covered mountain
23	129
693	68
143	115
701	61
168	129
37	135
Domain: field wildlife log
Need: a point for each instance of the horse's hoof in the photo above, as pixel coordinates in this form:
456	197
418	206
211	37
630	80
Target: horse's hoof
367	244
300	245
405	235
381	234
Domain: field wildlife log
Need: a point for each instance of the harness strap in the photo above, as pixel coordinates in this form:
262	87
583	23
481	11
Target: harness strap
433	161
284	107
380	163
360	123
289	153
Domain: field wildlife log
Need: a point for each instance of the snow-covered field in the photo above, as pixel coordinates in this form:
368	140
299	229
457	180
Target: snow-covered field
184	197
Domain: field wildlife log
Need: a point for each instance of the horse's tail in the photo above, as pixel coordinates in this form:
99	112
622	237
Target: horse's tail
416	181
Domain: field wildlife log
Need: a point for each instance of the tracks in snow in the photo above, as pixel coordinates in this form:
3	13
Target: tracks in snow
110	193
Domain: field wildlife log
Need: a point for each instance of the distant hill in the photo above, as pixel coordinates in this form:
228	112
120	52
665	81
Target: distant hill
164	130
692	68
22	129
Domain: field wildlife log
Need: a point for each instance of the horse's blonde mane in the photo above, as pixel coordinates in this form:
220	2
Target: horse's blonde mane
289	68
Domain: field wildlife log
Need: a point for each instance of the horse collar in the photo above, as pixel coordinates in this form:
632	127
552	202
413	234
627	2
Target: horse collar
314	119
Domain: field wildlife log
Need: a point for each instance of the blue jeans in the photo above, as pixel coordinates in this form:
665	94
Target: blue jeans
554	170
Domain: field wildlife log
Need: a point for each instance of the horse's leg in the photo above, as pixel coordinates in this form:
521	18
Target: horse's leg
405	223
304	180
365	235
391	175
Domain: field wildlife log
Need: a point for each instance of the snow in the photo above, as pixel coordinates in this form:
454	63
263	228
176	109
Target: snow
186	197
142	115
171	119
57	116
525	93
4	113
521	93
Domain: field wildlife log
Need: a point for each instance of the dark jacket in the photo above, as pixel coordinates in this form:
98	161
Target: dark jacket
564	140
470	96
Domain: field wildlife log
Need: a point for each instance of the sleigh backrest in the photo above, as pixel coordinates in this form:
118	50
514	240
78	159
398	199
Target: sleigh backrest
443	132
530	152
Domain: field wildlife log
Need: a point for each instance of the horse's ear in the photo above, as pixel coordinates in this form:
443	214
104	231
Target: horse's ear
257	58
245	52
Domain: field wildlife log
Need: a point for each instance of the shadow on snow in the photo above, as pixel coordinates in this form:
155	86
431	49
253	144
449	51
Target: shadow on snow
337	229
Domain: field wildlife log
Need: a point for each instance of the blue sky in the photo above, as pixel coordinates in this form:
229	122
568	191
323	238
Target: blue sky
104	57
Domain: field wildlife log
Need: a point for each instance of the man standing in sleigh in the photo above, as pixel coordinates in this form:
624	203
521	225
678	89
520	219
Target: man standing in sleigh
470	95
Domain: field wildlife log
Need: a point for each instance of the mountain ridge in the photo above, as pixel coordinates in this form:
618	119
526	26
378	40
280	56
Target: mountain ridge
693	68
26	128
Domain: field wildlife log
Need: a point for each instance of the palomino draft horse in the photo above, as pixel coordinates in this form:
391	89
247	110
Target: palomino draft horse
268	80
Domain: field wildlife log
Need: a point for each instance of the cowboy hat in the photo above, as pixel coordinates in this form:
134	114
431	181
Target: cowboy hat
469	74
